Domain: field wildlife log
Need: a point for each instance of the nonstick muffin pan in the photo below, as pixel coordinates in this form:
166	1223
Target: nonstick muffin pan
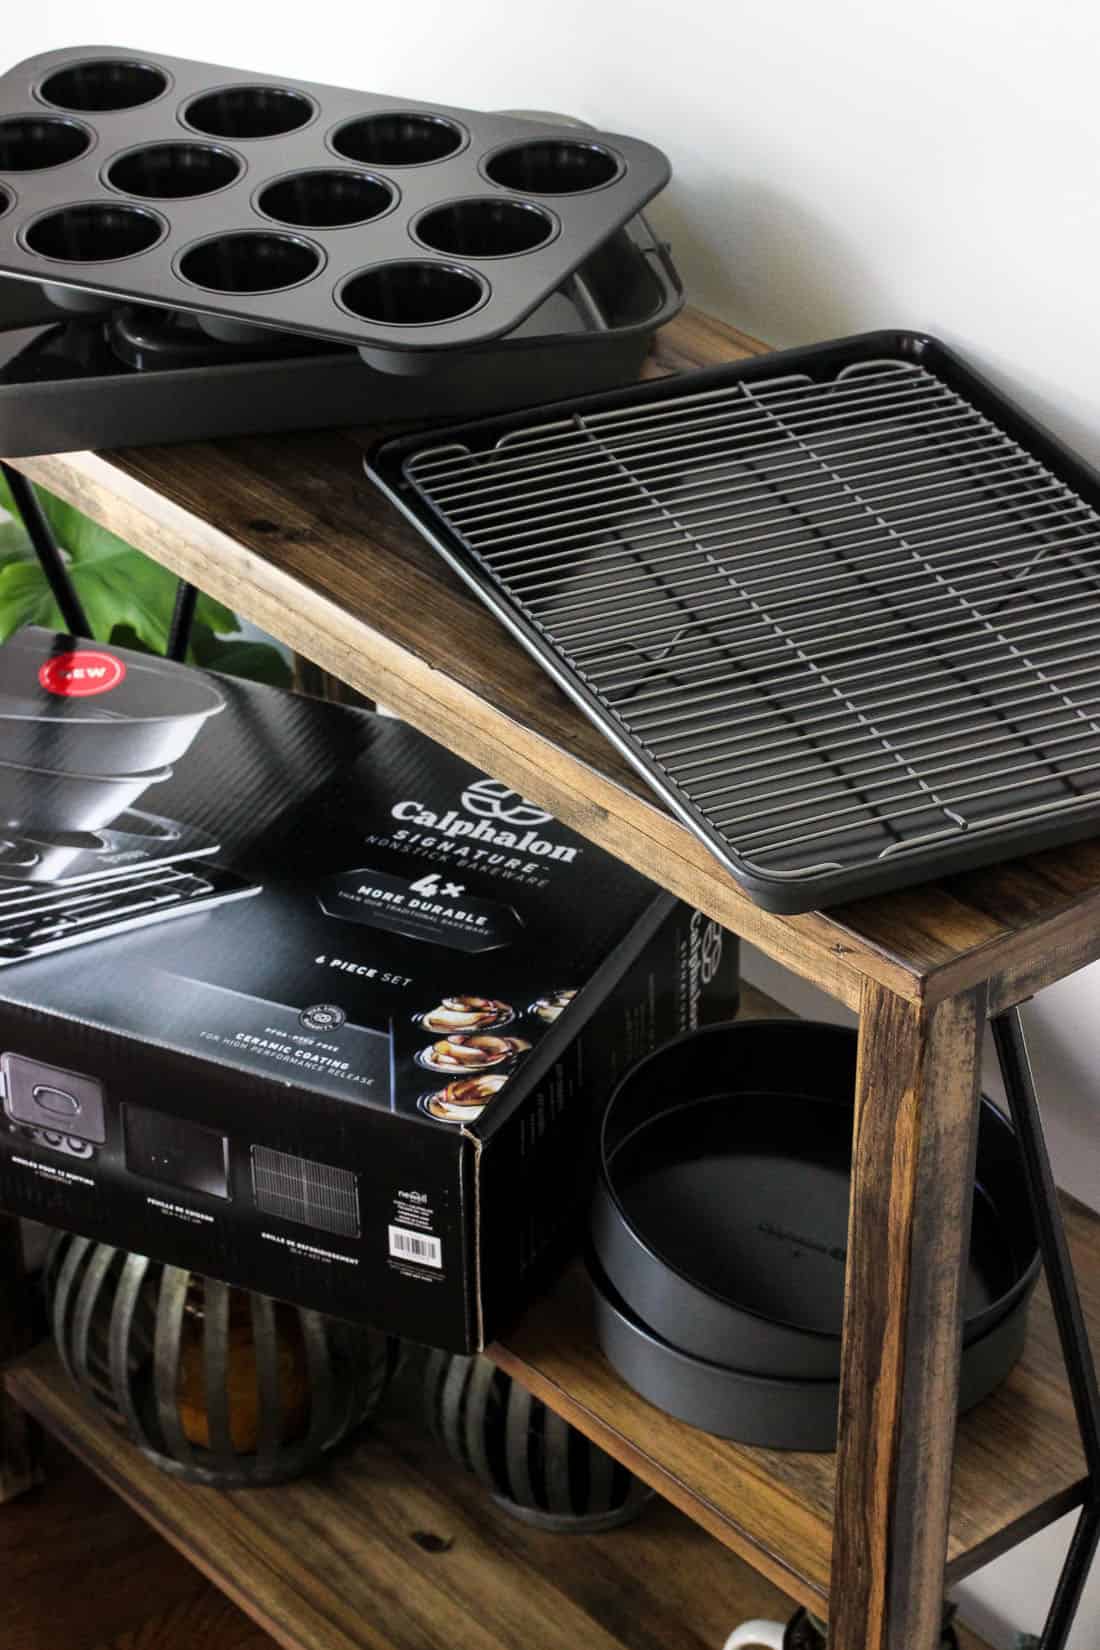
719	1229
261	201
141	375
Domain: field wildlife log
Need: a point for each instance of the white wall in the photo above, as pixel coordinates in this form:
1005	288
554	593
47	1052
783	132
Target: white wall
839	165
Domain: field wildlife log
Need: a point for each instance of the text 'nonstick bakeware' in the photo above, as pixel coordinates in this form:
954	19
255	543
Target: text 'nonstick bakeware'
840	605
262	200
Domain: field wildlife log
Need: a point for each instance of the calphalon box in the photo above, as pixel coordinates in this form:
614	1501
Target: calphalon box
291	995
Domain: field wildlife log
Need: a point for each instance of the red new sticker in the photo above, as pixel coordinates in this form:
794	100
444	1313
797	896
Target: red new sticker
79	675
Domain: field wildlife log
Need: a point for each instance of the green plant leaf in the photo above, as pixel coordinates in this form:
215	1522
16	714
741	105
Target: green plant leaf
255	661
127	597
25	599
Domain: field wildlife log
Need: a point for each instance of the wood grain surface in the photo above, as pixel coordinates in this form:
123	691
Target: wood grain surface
81	1571
391	1547
915	1139
18	1452
287	530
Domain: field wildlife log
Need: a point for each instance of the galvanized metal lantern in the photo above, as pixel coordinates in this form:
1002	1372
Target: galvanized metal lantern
213	1384
533	1463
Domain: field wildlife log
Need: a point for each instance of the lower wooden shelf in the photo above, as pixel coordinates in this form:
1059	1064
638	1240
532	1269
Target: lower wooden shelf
1018	1463
391	1547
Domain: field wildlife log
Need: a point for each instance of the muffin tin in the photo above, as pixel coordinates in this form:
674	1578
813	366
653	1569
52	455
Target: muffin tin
257	201
145	375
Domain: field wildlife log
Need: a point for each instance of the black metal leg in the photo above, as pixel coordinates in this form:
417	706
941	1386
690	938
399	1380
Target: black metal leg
183	617
50	559
1008	1034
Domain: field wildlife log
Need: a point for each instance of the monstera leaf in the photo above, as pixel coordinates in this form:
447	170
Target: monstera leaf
128	599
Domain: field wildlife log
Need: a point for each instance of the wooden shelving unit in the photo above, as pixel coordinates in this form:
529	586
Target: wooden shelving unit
288	532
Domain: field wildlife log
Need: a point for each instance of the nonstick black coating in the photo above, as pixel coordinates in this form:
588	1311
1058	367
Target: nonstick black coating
753	1409
147	719
722	1207
216	196
49	801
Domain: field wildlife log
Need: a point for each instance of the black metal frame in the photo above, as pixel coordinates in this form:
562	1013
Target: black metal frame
1023	1102
53	564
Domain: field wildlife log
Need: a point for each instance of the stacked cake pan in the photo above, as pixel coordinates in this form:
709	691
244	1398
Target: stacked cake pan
719	1233
274	253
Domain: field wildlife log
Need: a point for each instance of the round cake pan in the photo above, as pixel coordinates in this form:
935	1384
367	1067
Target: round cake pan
772	1413
721	1211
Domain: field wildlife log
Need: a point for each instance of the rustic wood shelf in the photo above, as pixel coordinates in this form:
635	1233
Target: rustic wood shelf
288	532
392	1547
1018	1461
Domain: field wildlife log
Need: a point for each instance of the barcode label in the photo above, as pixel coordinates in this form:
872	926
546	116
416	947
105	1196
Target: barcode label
416	1246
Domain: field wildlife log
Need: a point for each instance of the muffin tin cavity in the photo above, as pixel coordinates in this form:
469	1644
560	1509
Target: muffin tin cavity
553	167
249	112
411	294
94	233
488	228
436	228
399	139
7	200
252	261
326	199
31	143
173	171
102	84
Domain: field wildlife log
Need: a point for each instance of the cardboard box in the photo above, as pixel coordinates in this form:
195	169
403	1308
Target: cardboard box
311	1005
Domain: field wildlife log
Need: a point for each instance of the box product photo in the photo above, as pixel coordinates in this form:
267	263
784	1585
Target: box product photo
330	1023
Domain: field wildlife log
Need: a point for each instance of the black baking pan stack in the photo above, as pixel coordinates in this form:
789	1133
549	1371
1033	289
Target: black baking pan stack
199	250
719	1233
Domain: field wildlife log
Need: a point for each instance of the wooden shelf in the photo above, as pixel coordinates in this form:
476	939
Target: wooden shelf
287	531
1018	1463
392	1547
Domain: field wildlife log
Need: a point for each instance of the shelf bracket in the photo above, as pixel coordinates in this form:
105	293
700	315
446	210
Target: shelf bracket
1019	1081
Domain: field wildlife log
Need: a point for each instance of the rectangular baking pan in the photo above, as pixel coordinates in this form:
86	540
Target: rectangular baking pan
64	388
839	605
374	220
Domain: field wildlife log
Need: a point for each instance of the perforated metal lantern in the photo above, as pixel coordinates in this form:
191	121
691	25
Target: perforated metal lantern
533	1463
215	1385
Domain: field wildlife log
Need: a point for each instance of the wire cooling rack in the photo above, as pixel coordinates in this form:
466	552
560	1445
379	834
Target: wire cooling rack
847	627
